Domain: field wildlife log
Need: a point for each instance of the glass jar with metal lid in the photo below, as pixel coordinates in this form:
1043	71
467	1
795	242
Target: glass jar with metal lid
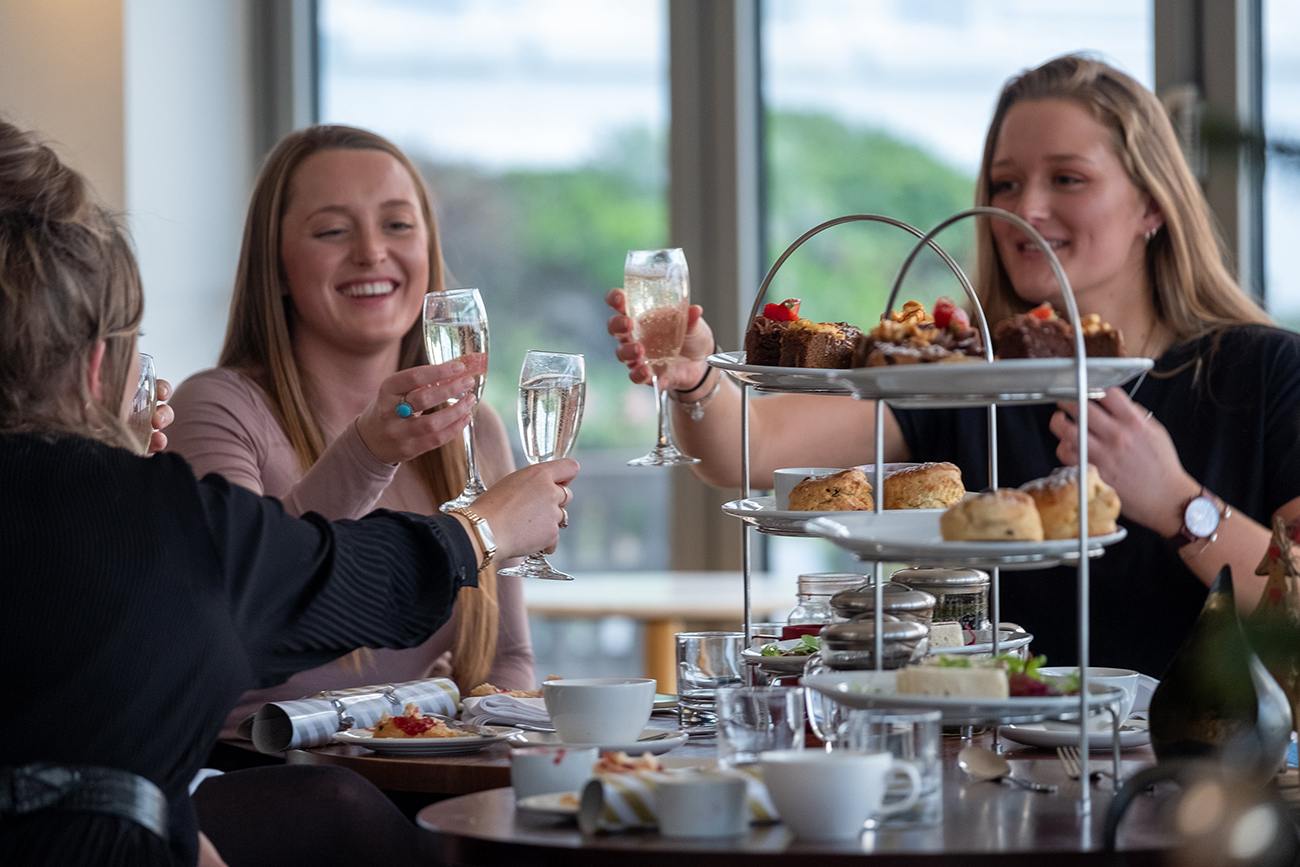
962	594
852	645
905	603
814	608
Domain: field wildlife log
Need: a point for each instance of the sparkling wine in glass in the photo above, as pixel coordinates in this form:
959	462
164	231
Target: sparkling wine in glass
657	287
456	328
145	402
552	391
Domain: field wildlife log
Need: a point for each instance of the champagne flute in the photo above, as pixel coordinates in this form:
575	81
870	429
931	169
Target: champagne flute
145	402
552	391
657	287
455	327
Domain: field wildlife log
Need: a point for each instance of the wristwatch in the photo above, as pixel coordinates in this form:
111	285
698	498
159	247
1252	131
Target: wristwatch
1201	518
486	540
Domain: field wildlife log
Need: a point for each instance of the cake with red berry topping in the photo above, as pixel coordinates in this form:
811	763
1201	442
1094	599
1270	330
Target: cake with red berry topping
1041	333
414	724
912	336
763	339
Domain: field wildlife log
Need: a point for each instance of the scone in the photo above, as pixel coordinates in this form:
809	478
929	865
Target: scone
847	491
1004	515
925	486
1057	499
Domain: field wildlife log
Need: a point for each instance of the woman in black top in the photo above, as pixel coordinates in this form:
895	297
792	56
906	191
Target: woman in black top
139	602
1088	157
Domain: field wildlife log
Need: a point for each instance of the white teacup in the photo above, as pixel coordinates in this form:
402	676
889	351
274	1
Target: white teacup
707	804
542	770
830	796
1120	678
599	710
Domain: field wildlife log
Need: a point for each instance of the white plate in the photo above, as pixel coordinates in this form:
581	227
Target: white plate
802	380
913	536
487	736
1009	641
1134	733
767	518
782	664
876	689
552	805
978	383
658	746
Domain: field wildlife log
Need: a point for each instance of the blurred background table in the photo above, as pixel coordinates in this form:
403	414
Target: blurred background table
665	602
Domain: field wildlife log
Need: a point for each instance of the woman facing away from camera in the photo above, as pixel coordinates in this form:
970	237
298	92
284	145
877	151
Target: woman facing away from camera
1087	156
324	342
139	601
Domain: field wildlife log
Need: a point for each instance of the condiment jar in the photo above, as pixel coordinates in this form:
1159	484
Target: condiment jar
813	610
905	603
852	645
963	594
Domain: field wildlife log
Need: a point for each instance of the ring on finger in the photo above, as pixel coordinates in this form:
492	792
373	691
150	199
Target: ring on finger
564	519
404	409
1146	418
568	495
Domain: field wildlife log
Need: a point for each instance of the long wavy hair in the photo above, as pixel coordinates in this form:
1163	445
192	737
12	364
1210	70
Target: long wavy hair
259	344
1194	291
68	279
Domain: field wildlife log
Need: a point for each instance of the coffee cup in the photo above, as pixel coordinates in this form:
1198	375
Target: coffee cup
599	710
1123	679
830	796
706	804
543	770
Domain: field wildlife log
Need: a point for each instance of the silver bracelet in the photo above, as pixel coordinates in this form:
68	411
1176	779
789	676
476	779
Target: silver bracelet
696	407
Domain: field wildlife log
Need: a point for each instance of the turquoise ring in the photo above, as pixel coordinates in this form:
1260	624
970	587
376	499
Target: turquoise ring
404	409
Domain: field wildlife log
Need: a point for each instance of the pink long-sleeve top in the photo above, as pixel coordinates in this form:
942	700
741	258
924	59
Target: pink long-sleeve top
225	425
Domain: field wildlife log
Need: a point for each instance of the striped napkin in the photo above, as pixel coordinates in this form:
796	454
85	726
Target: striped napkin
312	722
621	802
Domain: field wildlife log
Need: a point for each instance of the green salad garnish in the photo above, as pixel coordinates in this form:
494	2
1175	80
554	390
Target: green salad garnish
808	645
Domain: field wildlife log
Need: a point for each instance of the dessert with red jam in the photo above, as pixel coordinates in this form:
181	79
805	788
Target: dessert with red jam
414	724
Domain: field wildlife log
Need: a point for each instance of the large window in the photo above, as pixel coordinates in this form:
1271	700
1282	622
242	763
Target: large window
1281	22
881	106
541	128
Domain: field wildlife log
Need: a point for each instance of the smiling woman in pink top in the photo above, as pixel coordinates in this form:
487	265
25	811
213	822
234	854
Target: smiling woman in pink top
324	342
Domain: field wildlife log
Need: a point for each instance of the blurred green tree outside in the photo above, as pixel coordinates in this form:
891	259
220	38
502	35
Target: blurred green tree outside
546	245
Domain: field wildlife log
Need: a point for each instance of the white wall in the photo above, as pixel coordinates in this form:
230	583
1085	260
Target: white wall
190	165
61	74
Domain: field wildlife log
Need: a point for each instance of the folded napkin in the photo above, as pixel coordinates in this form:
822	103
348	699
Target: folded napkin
311	722
620	802
505	710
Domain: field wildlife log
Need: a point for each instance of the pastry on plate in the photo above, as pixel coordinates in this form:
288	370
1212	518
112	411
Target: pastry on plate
818	344
414	724
1041	333
912	336
845	491
1004	515
935	485
1056	497
763	339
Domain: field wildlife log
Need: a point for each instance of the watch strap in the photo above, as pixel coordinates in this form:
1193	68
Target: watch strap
476	523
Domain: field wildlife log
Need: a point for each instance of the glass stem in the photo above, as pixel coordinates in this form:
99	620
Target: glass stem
475	481
661	398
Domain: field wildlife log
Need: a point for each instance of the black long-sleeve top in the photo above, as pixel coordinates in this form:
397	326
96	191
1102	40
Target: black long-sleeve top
137	603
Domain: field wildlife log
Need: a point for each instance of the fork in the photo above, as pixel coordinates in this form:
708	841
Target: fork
1069	757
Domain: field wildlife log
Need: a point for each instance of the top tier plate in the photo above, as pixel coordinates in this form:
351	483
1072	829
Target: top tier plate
952	384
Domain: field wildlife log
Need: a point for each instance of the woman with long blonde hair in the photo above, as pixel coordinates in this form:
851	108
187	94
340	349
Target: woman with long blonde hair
323	344
1203	451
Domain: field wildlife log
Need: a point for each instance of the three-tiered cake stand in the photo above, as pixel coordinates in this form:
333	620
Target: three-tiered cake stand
899	536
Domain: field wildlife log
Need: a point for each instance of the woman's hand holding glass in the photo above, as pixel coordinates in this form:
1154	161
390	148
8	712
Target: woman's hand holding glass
526	508
689	365
147	413
394	438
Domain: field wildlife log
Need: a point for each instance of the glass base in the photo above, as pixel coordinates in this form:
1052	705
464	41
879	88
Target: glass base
467	496
663	456
535	566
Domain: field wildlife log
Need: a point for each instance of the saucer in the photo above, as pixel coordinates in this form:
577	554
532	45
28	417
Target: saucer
661	741
1134	733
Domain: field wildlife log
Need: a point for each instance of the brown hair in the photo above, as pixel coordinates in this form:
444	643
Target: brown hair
1194	292
68	280
259	344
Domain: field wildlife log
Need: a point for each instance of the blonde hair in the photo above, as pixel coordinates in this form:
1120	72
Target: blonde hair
68	280
1194	292
259	344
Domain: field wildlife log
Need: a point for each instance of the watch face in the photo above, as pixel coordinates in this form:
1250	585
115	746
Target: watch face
1201	517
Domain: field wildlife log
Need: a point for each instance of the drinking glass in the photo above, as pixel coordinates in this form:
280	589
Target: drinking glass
756	719
456	328
145	402
706	661
552	390
912	736
658	291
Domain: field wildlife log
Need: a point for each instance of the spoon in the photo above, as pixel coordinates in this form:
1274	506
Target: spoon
983	764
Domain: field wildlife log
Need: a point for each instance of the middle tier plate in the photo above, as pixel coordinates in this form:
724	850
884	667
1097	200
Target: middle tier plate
767	518
913	536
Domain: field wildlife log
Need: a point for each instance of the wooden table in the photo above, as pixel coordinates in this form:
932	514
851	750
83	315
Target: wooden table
984	823
663	601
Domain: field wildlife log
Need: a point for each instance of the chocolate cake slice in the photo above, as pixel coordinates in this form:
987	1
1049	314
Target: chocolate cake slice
763	341
818	344
1028	336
